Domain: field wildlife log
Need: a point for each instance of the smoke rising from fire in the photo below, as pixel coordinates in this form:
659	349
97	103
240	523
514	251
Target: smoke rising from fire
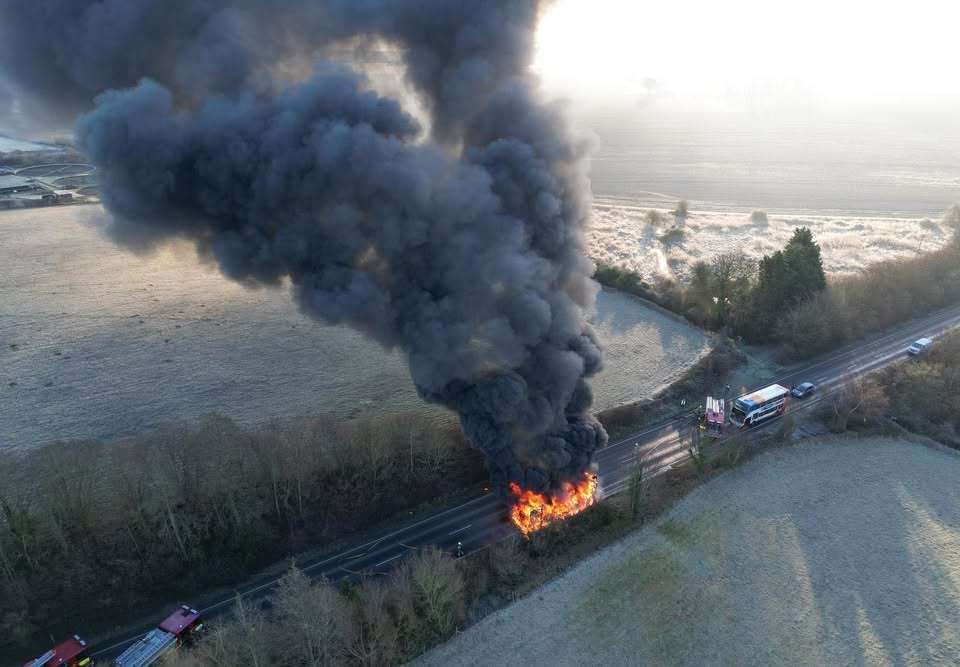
462	245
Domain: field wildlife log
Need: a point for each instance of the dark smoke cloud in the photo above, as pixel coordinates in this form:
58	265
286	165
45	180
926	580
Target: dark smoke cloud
465	248
61	53
6	107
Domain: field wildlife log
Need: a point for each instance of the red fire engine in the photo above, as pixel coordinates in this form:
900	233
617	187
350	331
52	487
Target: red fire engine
178	628
715	416
71	653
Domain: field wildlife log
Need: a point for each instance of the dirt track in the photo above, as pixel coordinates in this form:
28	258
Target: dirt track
828	552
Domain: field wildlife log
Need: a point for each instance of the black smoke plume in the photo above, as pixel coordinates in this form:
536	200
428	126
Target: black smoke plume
462	244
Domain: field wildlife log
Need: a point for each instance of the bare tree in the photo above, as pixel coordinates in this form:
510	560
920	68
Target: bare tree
265	445
636	488
438	589
376	639
731	278
507	560
6	560
862	399
25	528
370	440
241	640
400	595
697	451
952	217
314	623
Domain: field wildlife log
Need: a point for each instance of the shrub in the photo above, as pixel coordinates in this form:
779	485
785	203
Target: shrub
681	212
635	490
313	624
506	560
859	402
672	236
786	429
620	278
698	452
926	393
952	217
438	586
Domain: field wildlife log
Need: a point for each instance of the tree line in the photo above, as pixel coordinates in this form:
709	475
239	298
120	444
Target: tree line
924	394
378	621
104	530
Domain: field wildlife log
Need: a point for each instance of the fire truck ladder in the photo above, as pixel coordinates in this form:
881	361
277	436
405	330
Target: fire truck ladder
44	659
148	650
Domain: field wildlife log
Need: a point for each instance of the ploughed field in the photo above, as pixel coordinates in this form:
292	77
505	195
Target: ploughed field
96	342
829	552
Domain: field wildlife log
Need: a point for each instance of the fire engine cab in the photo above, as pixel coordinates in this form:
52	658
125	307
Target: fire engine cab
715	416
71	653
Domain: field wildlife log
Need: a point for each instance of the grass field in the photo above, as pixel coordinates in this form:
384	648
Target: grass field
622	236
829	552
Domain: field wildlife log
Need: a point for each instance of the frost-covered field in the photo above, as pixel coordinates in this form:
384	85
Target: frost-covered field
96	342
8	144
621	235
827	553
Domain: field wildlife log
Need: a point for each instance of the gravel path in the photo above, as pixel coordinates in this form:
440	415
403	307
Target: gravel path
829	552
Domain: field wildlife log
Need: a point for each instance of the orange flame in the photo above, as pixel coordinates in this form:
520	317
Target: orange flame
534	511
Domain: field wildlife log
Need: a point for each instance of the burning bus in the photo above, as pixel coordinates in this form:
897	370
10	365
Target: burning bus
759	406
533	511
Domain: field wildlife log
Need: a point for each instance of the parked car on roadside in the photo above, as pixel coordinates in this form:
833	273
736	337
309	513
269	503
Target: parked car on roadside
920	346
803	390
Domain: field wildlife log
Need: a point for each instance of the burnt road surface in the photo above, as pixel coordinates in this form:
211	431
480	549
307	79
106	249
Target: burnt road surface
482	521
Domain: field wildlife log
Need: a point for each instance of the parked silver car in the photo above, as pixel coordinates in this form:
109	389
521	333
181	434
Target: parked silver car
919	346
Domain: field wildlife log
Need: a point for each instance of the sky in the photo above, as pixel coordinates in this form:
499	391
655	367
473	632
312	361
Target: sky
831	51
777	56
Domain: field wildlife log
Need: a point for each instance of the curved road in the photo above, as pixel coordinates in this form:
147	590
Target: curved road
482	521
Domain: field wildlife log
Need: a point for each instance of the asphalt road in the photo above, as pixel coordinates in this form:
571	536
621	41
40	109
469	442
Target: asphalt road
482	521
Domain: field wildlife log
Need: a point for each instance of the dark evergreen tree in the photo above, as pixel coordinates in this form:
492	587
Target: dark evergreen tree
787	277
804	265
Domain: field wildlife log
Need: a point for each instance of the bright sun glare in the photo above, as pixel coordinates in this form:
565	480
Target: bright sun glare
837	48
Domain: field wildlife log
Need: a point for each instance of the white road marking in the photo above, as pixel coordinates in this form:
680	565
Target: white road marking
460	530
384	562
